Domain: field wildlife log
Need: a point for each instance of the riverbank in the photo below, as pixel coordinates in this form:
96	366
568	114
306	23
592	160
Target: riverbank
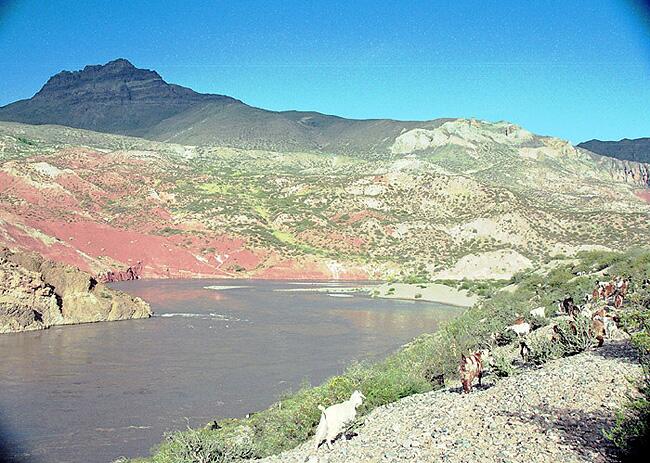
429	292
554	413
432	292
544	400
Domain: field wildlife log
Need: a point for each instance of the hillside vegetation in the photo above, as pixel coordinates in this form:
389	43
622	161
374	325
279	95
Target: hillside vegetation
467	199
415	367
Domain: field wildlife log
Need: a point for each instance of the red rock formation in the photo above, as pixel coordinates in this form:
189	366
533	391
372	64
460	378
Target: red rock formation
132	273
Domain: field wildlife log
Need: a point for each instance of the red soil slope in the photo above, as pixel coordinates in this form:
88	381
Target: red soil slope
96	211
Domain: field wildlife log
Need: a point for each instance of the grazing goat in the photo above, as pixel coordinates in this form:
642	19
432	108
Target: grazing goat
538	312
471	367
618	301
598	331
334	418
609	321
520	326
524	351
568	307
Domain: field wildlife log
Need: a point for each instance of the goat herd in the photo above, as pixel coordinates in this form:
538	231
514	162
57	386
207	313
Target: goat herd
600	307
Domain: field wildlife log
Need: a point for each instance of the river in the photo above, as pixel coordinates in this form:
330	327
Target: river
95	392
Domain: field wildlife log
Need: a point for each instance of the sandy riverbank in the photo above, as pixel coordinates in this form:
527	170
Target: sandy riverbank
432	292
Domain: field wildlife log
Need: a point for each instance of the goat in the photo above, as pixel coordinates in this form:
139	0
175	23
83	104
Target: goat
520	326
604	290
538	312
568	307
471	367
334	418
622	285
524	351
609	320
618	300
598	331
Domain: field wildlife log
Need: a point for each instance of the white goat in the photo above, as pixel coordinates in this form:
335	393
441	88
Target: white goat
334	418
538	312
520	327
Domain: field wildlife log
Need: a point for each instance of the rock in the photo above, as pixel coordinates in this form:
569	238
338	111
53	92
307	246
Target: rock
36	294
131	273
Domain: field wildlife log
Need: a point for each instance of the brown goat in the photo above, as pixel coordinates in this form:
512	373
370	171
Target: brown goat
568	307
598	331
471	367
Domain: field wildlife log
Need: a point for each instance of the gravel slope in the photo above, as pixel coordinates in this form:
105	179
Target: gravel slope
554	413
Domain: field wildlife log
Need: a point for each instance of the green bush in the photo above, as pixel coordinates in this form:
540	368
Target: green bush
631	432
501	365
543	350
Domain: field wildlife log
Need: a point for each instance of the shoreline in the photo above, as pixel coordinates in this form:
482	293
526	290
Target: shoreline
426	292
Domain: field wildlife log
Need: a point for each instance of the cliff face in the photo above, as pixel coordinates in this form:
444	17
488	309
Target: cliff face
637	173
36	294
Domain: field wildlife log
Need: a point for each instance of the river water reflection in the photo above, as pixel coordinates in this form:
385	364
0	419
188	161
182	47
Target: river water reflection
94	392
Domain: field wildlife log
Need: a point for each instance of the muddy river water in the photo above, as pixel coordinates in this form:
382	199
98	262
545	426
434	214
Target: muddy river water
95	392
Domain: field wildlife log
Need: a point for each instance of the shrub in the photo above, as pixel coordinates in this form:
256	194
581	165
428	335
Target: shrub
631	432
543	350
575	337
501	365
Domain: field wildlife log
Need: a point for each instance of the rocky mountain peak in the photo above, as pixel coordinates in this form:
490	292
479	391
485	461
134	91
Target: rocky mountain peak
115	97
115	73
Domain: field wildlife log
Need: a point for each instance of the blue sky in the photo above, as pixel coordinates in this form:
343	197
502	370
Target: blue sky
575	69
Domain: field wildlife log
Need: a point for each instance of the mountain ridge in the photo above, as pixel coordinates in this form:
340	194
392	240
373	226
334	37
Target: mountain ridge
630	149
119	98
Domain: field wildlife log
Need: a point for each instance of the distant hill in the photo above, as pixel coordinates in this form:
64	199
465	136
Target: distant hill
121	99
631	150
469	199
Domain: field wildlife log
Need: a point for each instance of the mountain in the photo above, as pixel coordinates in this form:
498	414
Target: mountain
116	98
210	186
468	199
119	98
632	150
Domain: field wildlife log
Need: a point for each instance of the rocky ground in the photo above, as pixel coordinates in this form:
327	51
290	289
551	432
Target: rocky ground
555	413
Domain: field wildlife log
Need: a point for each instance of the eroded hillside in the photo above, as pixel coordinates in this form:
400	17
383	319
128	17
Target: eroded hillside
468	198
